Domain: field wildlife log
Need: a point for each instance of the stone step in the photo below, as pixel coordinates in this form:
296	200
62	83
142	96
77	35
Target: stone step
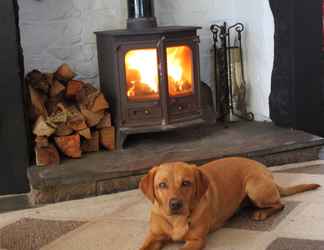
107	172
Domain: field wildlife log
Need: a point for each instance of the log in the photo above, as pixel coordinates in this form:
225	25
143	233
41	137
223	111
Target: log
91	145
56	88
86	97
52	102
38	102
57	117
41	141
73	89
105	122
49	78
92	118
64	74
38	80
86	133
107	138
63	130
76	121
69	145
41	128
100	103
47	156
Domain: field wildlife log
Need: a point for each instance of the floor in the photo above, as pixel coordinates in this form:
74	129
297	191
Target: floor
119	221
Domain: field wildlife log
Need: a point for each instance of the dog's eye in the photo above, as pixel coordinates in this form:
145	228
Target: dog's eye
163	185
186	184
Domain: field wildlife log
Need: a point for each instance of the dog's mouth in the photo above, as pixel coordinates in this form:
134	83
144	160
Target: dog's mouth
176	212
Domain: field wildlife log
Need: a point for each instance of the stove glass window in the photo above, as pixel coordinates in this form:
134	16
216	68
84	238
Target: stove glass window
142	74
180	70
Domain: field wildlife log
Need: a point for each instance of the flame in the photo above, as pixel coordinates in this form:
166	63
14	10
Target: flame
142	73
180	77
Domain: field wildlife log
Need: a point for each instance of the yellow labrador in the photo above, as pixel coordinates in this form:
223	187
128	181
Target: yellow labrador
189	202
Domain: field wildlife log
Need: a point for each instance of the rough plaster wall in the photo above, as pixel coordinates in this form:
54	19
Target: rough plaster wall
57	31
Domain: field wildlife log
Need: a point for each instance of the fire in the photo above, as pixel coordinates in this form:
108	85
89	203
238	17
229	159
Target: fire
142	73
180	77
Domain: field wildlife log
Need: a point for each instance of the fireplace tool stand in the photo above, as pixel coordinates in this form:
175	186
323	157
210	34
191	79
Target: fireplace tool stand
230	85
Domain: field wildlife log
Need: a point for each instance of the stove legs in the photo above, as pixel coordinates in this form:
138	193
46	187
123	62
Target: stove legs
120	139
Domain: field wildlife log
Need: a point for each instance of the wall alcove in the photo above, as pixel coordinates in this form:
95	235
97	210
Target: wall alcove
296	98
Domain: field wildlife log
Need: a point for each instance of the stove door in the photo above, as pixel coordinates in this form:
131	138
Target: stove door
182	67
141	71
140	84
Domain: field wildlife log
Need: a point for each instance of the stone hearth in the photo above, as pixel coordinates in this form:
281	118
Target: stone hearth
108	172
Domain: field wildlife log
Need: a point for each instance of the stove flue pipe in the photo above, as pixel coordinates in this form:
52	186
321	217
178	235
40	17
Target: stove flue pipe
141	14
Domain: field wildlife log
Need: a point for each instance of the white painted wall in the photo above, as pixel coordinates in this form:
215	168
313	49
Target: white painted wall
259	52
258	39
60	31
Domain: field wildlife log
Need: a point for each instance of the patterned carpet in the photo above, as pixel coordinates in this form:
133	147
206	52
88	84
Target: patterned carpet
119	221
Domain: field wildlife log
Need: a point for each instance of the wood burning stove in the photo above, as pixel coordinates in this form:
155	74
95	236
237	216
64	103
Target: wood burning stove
150	74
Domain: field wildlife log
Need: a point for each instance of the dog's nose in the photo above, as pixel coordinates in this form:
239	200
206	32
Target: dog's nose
175	204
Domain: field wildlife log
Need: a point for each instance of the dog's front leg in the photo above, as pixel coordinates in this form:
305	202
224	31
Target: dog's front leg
197	244
152	242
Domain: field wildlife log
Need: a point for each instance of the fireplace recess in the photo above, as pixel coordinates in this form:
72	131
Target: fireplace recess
150	74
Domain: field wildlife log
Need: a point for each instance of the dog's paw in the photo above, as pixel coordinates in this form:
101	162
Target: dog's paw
259	216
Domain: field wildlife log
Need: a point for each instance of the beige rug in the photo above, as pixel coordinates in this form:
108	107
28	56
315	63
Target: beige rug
120	221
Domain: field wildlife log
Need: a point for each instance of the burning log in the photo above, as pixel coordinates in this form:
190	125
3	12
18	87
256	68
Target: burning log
69	145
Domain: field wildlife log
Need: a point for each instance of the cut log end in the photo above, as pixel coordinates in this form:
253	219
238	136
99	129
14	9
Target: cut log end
107	138
69	145
105	122
73	89
91	145
47	156
41	128
86	133
64	73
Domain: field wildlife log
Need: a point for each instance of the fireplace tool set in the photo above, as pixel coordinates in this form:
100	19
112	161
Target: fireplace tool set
230	85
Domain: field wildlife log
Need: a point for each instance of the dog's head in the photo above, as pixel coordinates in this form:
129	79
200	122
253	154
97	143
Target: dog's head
176	187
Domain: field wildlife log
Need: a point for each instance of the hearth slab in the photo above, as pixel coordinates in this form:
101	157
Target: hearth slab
106	172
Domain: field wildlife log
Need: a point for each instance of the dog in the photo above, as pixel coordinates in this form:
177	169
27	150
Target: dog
190	202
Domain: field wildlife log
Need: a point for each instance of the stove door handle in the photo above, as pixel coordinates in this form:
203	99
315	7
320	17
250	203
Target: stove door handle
160	42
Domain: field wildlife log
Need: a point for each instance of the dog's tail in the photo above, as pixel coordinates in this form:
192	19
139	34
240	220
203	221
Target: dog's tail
287	191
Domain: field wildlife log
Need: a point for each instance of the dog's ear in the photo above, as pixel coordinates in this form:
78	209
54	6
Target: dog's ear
147	184
201	182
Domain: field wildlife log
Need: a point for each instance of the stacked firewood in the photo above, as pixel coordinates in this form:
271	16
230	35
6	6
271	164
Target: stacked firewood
68	115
